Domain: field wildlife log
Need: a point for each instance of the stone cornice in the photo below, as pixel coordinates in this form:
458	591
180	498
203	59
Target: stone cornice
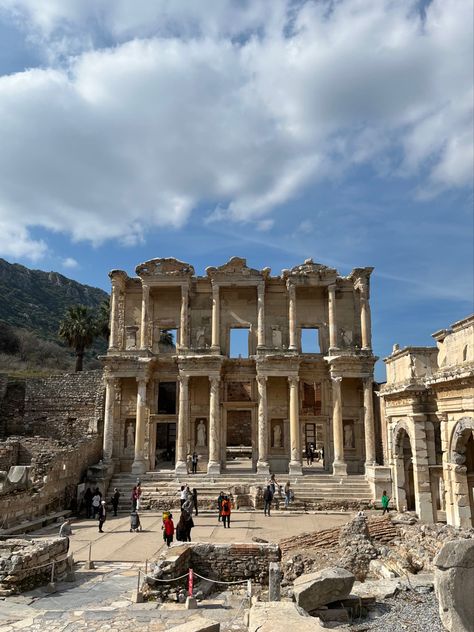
310	273
236	270
164	268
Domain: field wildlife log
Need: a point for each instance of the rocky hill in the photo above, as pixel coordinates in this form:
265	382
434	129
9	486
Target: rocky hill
36	300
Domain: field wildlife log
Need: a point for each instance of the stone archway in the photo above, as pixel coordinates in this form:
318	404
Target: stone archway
462	456
405	483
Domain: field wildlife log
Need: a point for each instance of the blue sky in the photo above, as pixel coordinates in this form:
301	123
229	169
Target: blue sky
273	129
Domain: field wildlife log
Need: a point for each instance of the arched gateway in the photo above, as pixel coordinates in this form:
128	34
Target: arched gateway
303	375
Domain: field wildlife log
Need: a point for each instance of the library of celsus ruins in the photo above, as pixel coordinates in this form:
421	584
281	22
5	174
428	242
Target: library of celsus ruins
176	383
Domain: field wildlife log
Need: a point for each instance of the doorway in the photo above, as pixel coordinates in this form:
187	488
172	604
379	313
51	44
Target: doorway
470	473
165	445
406	480
239	454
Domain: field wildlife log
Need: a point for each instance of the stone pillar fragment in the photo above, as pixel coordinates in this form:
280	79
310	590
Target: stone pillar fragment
108	442
214	464
295	454
291	314
261	315
183	425
369	428
274	581
332	317
139	463
144	319
215	340
339	467
262	463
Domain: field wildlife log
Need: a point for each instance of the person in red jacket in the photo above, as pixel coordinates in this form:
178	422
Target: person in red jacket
168	529
225	511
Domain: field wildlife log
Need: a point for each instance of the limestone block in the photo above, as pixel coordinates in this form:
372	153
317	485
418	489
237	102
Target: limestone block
280	616
197	625
454	585
318	589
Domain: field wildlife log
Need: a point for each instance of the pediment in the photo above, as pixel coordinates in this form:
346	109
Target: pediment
236	266
165	266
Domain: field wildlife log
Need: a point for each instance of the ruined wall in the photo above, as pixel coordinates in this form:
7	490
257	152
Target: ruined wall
26	563
60	406
56	473
12	406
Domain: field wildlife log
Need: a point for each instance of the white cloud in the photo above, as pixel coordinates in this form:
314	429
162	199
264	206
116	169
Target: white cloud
240	106
70	263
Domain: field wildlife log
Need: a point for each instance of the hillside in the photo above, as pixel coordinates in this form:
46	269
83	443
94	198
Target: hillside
36	300
32	303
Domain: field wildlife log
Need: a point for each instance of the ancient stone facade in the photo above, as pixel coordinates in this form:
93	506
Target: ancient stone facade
428	404
170	398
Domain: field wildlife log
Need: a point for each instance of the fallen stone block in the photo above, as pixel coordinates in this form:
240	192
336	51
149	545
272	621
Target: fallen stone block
454	585
377	589
318	589
281	616
197	625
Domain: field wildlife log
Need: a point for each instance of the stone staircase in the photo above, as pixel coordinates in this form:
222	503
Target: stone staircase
312	491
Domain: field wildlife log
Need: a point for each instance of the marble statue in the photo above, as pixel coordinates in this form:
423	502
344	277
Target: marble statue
277	436
201	434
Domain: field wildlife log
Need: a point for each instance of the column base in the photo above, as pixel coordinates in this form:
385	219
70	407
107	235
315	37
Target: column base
139	467
181	467
295	468
215	349
213	467
263	467
339	468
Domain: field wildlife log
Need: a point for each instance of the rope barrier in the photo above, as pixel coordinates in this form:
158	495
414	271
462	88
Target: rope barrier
156	579
217	581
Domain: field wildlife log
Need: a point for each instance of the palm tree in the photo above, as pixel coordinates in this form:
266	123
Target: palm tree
79	329
166	338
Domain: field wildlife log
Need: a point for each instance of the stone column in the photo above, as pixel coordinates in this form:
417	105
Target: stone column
339	467
215	341
114	302
108	443
262	463
139	462
214	464
291	313
261	315
183	424
369	429
144	320
183	336
365	317
332	317
295	447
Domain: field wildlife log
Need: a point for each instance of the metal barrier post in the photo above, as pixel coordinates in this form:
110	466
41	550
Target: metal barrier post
89	565
137	595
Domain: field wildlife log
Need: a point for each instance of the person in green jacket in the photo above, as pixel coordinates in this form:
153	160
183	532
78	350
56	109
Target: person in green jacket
385	502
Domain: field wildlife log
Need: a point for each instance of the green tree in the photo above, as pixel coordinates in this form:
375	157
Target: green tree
103	319
78	329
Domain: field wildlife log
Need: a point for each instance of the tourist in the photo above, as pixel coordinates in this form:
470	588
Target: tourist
308	453
385	502
102	514
65	531
139	493
267	499
195	501
168	529
220	498
184	526
182	495
115	500
194	462
88	502
225	511
274	485
188	500
95	503
311	453
134	498
322	455
135	524
288	494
